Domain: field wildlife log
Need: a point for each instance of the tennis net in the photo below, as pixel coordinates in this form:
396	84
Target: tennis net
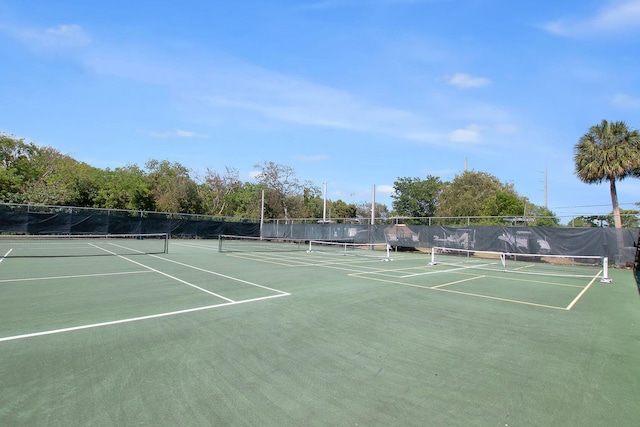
70	245
373	250
587	266
229	243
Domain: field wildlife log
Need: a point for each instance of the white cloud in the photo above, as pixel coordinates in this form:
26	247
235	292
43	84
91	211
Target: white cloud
177	133
220	85
385	189
61	36
224	83
298	101
615	17
465	81
469	134
625	101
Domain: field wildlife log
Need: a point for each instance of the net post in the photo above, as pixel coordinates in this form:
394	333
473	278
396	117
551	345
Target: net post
433	256
605	271
219	242
166	243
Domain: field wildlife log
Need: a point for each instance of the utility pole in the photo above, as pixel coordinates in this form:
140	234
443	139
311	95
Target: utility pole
324	206
546	187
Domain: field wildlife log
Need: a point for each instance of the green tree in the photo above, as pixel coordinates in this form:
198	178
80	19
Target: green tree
285	194
16	167
221	188
341	209
363	211
542	216
628	217
590	221
172	187
502	204
125	188
245	201
467	194
312	203
608	152
415	197
59	179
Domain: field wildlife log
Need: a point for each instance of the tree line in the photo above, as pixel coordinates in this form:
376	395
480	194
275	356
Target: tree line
32	174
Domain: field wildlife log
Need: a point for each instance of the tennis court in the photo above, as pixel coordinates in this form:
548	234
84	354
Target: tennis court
290	334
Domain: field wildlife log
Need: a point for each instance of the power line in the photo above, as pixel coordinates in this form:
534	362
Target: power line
590	206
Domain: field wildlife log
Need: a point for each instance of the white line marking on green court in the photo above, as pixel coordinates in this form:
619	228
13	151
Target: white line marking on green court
177	279
195	268
458	281
447	271
502	299
134	319
570	306
193	245
218	274
29	279
5	255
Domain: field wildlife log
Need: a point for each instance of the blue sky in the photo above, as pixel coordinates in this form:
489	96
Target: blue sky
354	93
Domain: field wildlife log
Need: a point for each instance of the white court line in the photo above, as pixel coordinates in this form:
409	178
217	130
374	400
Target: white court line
199	269
153	316
5	255
570	306
446	271
133	319
457	281
197	246
165	274
218	274
31	279
352	264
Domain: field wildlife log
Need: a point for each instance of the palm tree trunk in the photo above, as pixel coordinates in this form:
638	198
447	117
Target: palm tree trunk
617	220
614	202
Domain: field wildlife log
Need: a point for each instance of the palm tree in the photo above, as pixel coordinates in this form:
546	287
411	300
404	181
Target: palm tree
608	152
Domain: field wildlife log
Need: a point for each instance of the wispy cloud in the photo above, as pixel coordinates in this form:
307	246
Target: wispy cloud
58	37
616	17
385	189
222	83
294	100
471	133
217	84
177	133
624	101
465	81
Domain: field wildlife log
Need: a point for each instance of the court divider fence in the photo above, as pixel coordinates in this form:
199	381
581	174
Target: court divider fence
619	245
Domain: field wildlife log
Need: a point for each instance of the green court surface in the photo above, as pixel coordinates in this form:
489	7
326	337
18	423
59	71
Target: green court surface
198	337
